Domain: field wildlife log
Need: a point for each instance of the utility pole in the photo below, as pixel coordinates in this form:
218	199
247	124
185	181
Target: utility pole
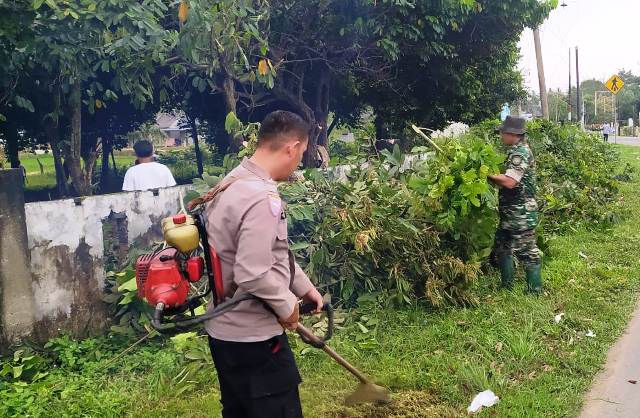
578	101
569	97
615	118
541	81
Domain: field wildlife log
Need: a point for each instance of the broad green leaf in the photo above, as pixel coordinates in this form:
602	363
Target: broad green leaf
299	246
231	123
130	286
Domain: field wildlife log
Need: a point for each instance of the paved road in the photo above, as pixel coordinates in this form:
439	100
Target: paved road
612	394
626	140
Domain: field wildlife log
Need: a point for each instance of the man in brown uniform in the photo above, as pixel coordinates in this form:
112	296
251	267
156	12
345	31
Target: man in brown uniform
247	226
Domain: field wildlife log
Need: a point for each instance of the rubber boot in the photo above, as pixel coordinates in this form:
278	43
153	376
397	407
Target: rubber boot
534	278
505	264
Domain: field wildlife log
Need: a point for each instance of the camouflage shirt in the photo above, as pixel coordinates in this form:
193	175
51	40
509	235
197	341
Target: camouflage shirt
518	206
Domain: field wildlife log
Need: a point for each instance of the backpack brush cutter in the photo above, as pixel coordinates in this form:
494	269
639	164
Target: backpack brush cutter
165	278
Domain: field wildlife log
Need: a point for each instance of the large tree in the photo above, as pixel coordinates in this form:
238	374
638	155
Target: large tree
70	44
424	61
456	60
221	51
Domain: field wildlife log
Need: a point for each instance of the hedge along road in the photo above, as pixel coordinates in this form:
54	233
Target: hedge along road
435	363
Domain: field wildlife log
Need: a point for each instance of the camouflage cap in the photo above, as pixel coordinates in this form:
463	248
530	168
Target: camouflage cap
513	125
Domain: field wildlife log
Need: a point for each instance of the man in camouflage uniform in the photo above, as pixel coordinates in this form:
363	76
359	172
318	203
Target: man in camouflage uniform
518	208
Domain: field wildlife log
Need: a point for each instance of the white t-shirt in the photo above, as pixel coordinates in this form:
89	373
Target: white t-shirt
145	176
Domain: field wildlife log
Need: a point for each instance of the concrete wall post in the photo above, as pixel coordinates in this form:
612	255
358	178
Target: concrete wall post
16	295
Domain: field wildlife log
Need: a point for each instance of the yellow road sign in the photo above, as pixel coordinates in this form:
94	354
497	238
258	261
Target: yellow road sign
614	84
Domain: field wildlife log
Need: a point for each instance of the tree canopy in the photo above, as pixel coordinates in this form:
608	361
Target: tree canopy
78	73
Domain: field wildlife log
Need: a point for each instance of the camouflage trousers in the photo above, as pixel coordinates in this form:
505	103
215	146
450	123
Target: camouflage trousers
522	244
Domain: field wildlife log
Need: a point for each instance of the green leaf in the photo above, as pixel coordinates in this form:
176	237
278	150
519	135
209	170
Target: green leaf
299	246
24	103
181	341
121	330
196	355
128	286
128	298
232	123
363	329
211	180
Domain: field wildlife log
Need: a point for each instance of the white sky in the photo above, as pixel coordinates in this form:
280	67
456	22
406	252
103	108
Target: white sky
607	33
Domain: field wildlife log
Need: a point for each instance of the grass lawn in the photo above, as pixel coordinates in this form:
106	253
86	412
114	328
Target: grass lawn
37	180
433	362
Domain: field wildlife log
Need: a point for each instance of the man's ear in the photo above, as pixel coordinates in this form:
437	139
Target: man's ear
293	147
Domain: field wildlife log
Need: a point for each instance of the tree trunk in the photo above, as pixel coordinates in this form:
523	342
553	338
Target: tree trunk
73	153
105	175
89	164
11	148
334	123
230	105
61	181
113	160
52	133
296	101
321	109
381	134
196	145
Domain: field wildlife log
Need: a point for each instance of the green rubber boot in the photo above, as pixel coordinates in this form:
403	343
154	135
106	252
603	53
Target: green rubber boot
534	278
505	264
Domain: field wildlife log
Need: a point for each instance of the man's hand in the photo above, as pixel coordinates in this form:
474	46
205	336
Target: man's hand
291	322
314	297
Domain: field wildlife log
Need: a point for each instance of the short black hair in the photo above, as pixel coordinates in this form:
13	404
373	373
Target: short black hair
143	148
281	123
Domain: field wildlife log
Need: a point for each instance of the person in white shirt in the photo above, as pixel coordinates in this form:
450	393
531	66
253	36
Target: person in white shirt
606	130
147	174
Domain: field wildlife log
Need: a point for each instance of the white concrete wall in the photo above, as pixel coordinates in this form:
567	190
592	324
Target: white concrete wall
341	172
65	241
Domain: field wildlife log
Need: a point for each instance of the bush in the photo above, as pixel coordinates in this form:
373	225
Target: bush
452	191
364	236
577	174
424	233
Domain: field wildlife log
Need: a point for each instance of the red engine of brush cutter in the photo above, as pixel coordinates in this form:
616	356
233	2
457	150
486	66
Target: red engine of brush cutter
164	278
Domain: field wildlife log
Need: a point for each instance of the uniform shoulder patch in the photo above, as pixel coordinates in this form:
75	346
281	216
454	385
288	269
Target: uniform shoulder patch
516	160
275	203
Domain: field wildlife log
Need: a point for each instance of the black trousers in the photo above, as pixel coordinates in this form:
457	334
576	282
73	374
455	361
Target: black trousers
257	379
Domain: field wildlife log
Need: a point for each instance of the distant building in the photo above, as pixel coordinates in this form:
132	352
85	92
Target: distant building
174	128
347	137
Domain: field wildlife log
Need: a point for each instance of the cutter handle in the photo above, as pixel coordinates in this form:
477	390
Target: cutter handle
317	342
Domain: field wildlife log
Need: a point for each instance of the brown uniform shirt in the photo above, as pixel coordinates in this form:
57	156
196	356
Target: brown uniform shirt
247	227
